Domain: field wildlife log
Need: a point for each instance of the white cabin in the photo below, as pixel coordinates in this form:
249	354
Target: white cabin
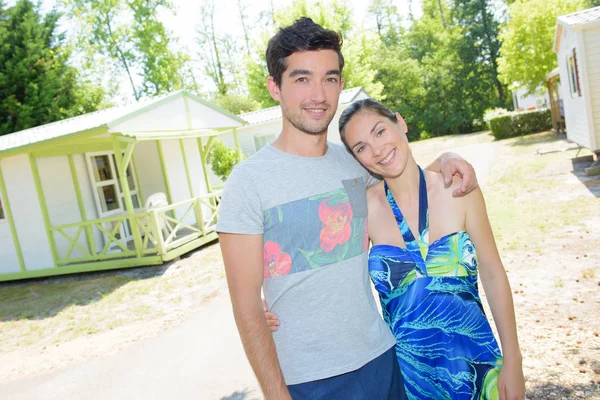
577	45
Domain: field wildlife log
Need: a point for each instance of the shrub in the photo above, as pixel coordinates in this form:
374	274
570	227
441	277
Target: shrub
492	113
520	123
479	125
425	135
222	159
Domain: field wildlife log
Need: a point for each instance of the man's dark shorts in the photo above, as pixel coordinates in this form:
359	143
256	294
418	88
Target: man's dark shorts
379	379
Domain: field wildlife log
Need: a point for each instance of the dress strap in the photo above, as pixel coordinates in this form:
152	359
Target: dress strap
422	244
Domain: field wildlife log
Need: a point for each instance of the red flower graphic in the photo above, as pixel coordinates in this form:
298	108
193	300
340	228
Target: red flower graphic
336	224
275	262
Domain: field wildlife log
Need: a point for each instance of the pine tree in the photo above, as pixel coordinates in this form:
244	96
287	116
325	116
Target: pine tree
37	85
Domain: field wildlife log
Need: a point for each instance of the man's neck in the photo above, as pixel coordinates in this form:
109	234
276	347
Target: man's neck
302	144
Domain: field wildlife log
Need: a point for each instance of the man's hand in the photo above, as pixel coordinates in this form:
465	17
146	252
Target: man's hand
452	164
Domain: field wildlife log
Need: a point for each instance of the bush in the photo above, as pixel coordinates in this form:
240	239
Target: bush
521	123
479	125
492	113
222	159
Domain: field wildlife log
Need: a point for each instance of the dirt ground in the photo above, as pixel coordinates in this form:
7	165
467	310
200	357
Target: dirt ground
555	275
557	299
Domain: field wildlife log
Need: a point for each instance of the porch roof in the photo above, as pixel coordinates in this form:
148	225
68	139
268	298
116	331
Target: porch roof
173	115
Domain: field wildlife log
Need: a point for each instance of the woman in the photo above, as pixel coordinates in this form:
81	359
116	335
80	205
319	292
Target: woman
424	266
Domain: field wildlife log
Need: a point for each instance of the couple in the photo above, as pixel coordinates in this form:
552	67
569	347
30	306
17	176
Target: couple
293	223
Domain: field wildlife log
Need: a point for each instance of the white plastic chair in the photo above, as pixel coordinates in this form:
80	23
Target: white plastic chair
158	200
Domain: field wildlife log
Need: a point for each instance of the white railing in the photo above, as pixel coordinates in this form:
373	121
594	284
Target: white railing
160	231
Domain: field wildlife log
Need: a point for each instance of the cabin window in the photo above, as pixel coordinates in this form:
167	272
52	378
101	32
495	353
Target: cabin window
573	69
2	216
105	178
261	140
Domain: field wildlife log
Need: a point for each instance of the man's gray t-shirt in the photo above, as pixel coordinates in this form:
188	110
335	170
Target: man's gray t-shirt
312	213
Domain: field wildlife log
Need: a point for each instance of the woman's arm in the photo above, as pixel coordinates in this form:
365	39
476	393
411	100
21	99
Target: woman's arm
511	383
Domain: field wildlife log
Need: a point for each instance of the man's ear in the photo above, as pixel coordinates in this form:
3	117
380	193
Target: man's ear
273	89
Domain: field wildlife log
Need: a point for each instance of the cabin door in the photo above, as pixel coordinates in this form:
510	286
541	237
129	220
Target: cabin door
108	193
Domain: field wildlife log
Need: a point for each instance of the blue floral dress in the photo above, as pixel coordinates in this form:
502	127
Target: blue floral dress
428	292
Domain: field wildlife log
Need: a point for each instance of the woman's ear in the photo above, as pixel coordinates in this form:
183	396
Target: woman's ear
402	123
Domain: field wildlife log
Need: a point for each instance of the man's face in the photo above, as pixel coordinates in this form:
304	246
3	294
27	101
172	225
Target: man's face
309	91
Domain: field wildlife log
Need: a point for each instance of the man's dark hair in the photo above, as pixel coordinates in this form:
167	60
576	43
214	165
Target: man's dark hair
302	35
362	105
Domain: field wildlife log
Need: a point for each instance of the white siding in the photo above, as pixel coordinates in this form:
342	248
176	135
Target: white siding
591	39
576	118
245	140
171	116
333	133
25	206
177	178
195	167
148	168
87	196
192	155
9	261
61	201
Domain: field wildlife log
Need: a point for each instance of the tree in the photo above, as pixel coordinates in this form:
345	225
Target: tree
222	159
526	54
37	85
208	42
161	67
236	103
130	36
387	20
479	49
242	10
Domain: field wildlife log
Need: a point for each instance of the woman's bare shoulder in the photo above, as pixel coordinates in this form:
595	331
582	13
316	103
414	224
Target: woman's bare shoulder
375	193
435	184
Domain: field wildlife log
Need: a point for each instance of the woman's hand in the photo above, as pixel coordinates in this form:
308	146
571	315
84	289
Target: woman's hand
511	383
272	319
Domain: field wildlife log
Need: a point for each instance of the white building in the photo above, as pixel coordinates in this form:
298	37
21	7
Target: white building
577	45
84	194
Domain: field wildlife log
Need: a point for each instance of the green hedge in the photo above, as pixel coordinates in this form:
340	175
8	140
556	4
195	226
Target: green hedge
521	123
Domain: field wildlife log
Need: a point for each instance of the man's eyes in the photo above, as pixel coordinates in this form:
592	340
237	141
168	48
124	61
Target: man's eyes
328	80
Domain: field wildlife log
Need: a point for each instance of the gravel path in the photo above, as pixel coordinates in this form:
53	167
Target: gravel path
200	359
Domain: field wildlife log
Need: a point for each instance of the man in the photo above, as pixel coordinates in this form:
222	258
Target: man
293	222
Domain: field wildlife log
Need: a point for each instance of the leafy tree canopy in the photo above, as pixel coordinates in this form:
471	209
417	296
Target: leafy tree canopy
527	40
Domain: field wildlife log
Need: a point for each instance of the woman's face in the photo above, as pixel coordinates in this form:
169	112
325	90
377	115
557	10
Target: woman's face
378	143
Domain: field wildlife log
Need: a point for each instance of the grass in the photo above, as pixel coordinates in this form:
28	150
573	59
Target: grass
524	204
61	309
